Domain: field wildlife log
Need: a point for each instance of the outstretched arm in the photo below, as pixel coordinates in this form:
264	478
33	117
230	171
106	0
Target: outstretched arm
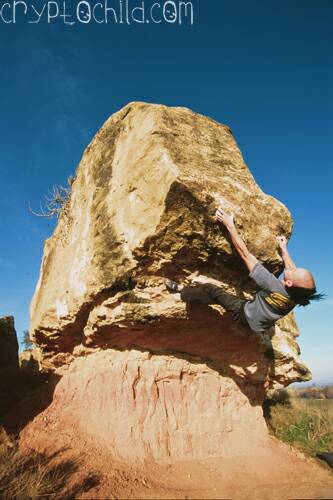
288	262
228	220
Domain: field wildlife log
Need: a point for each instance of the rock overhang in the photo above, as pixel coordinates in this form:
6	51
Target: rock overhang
142	208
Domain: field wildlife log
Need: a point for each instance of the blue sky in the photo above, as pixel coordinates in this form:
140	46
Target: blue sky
263	68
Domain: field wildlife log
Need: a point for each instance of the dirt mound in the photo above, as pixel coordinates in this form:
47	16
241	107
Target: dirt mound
271	472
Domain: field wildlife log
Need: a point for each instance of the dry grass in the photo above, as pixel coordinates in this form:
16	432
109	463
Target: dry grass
305	423
35	476
28	477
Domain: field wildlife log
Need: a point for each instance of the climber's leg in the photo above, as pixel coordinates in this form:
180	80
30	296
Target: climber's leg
207	293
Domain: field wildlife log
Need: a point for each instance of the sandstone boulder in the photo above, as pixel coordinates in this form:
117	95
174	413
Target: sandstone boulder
172	381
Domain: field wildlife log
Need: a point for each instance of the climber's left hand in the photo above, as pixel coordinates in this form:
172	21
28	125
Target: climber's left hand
227	219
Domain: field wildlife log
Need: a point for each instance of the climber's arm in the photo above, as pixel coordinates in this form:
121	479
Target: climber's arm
228	220
288	262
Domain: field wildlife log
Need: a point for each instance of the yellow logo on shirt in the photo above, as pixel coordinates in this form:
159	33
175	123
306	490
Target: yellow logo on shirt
279	301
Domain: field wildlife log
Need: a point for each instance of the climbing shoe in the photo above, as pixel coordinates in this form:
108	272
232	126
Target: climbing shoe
172	286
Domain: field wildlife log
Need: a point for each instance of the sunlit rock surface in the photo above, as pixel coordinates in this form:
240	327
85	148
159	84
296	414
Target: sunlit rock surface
162	374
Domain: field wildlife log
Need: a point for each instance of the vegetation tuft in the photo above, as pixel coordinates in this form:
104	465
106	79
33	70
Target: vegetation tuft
304	423
36	476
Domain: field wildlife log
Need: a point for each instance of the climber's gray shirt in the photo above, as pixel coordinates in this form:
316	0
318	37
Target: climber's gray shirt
271	301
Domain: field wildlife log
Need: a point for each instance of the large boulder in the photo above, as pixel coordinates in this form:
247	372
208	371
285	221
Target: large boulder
8	344
141	209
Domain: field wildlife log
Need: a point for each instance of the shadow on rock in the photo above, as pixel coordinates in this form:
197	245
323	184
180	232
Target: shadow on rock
205	336
23	395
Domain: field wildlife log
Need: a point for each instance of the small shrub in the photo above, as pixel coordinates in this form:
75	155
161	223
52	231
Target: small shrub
26	342
328	392
57	201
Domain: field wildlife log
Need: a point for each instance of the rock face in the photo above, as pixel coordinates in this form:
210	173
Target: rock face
156	406
148	375
8	344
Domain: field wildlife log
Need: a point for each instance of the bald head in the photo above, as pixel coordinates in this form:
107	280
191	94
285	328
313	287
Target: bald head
299	277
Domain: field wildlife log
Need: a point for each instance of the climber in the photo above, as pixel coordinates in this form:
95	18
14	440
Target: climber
274	298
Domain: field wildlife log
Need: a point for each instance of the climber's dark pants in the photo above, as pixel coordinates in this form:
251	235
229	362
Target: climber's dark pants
207	293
